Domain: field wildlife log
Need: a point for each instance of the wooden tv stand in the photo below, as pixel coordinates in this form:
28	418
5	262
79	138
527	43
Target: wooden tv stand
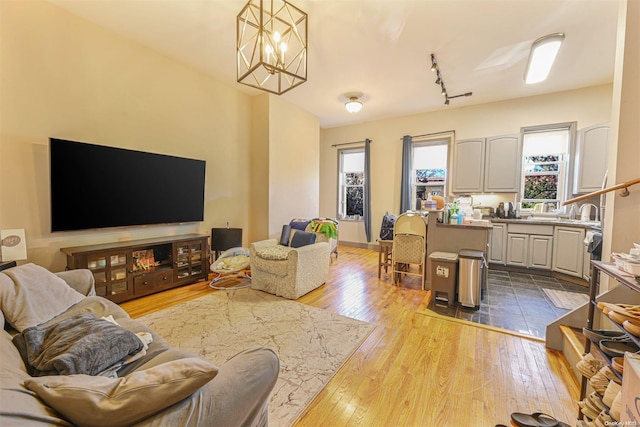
128	270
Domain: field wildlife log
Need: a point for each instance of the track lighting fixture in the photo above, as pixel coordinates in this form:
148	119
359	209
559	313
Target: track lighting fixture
440	81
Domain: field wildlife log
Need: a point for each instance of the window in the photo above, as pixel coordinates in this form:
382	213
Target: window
545	154
351	184
429	170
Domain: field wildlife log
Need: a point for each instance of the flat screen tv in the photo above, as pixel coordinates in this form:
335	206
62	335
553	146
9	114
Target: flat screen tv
94	186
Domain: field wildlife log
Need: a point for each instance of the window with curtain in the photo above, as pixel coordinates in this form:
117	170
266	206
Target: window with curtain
429	172
351	184
545	157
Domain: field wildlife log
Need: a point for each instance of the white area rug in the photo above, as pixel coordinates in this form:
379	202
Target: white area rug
565	299
312	343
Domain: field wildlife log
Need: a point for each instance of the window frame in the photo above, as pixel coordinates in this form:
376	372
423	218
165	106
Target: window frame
341	202
566	164
431	142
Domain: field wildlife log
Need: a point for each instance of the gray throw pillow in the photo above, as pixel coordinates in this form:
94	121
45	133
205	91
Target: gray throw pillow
31	295
123	401
285	235
302	238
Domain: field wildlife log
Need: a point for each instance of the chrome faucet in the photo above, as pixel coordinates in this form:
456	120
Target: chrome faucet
585	214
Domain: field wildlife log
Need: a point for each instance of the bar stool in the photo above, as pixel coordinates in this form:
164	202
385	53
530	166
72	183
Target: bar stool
384	255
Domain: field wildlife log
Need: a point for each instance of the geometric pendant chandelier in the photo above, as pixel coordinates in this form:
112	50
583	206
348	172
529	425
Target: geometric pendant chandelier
271	45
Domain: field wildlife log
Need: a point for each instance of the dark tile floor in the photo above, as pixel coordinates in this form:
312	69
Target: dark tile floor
514	301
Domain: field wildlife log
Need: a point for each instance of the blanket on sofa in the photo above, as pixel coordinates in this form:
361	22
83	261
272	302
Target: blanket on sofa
328	227
82	344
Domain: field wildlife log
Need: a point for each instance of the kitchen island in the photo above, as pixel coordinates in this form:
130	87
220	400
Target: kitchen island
453	238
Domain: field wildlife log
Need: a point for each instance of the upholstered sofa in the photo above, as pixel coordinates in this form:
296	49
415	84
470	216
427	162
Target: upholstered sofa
286	271
156	386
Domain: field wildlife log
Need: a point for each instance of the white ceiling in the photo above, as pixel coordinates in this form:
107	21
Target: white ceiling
381	48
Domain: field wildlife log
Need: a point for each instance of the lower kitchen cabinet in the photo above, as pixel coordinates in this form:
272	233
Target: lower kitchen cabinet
498	244
529	245
517	248
531	251
540	250
568	250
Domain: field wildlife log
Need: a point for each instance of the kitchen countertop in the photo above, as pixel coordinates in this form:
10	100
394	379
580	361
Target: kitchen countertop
473	225
551	221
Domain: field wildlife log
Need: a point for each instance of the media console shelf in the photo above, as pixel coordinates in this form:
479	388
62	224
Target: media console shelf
128	270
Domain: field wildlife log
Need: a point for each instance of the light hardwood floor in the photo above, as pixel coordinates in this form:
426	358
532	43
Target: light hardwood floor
415	369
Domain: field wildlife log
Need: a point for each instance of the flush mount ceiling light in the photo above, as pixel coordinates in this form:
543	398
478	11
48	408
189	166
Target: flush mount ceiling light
353	105
271	45
543	54
440	81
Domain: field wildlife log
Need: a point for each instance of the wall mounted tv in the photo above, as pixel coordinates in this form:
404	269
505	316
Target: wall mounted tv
94	186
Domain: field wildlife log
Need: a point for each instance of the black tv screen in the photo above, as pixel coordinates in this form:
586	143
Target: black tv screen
94	186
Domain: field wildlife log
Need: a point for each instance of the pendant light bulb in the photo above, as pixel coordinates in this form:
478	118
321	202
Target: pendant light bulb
353	105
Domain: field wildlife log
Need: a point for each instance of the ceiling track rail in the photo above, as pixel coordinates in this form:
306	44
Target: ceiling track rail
624	193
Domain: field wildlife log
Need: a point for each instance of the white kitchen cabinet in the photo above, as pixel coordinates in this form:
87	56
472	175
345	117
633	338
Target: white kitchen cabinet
540	250
517	249
568	250
468	166
529	245
592	153
530	251
502	165
498	244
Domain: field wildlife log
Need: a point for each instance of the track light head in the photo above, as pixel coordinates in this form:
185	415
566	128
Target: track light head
434	64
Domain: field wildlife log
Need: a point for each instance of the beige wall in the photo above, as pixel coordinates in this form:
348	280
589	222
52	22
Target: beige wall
65	77
285	165
259	169
294	165
585	106
622	215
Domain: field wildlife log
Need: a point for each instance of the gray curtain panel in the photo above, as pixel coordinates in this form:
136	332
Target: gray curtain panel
405	181
367	188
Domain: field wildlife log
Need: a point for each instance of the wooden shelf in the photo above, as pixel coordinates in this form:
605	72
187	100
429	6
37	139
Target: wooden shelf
610	270
180	260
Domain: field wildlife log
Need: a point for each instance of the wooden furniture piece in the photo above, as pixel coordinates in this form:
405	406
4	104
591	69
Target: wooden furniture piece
127	270
598	267
384	255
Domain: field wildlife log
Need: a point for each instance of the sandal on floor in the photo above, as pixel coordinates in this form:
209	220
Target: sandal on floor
537	419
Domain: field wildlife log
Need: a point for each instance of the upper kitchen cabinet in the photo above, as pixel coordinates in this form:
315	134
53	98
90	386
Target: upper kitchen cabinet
592	153
468	166
503	161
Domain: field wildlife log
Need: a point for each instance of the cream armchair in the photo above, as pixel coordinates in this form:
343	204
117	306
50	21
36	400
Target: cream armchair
288	272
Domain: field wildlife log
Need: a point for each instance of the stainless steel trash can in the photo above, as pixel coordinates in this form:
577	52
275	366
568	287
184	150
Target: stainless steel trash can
444	266
470	276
